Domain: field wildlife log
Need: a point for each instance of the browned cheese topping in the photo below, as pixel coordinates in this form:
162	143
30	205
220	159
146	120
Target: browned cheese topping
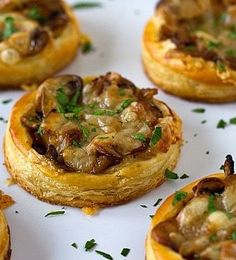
205	225
26	26
90	127
204	29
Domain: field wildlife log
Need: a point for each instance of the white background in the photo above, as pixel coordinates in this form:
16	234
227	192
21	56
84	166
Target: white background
116	31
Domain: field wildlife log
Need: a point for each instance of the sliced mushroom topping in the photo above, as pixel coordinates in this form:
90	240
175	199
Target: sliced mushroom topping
96	121
61	89
209	186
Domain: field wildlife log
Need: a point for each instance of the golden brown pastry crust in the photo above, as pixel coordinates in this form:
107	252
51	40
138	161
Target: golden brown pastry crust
5	251
179	73
58	52
117	184
157	251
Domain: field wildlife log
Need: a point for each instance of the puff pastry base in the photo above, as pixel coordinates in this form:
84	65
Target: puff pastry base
120	183
157	251
58	53
188	77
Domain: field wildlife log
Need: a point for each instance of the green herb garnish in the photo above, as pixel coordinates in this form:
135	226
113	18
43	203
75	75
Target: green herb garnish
121	92
104	112
234	235
90	244
221	124
9	27
3	120
76	143
184	176
171	175
213	238
199	110
85	5
179	196
156	136
87	47
140	137
213	45
35	13
203	121
232	121
220	66
232	33
55	213
6	101
157	202
230	53
211	203
40	130
222	167
151	216
125	251
105	255
124	105
74	245
143	206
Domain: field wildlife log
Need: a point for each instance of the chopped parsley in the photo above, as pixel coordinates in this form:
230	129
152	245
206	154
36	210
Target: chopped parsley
124	105
232	121
199	110
35	13
9	27
140	137
230	53
104	112
213	238
105	255
232	33
90	244
220	66
234	235
55	213
179	196
151	216
87	47
143	206
85	5
171	175
6	101
157	202
222	167
211	203
184	176
125	251
40	131
203	121
156	136
3	120
76	143
213	45
74	245
221	124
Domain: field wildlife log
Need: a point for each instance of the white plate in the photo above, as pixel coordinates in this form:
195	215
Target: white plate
116	31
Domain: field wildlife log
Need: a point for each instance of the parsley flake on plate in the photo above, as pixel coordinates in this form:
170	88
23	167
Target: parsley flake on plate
125	252
55	213
171	175
157	202
90	244
105	255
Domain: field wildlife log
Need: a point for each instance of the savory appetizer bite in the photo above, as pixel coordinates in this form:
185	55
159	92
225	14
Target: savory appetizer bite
37	38
189	49
198	221
5	243
91	143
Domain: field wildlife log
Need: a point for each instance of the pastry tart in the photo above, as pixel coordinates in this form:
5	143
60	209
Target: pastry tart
188	49
5	244
198	221
91	143
37	38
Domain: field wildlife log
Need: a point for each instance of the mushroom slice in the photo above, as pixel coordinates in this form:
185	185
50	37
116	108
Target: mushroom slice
209	186
29	43
71	86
